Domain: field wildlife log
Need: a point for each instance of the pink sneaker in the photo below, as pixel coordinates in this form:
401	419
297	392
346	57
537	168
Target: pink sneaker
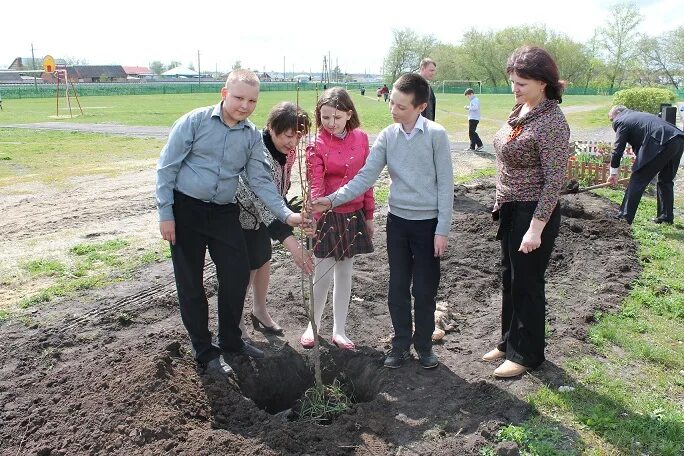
343	345
307	342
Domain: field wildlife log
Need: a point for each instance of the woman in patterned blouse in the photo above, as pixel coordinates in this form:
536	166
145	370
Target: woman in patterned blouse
532	151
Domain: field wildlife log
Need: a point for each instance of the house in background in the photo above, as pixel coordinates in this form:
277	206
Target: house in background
100	73
11	78
91	73
28	64
138	72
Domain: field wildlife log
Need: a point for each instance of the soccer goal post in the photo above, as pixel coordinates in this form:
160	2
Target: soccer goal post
460	85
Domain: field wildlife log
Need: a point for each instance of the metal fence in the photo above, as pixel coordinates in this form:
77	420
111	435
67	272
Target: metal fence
16	91
43	90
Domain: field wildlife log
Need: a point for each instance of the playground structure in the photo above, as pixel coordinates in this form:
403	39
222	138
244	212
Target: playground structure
60	74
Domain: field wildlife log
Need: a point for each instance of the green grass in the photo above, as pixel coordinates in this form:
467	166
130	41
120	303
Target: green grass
539	437
477	174
54	156
381	194
629	400
163	110
44	267
92	265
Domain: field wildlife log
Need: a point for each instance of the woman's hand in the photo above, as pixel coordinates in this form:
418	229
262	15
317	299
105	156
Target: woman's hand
300	256
532	238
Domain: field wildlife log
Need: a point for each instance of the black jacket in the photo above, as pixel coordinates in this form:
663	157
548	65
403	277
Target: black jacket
429	111
646	133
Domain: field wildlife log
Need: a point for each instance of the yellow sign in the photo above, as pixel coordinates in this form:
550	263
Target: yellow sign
48	64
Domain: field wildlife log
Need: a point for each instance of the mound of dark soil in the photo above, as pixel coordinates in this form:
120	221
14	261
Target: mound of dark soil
110	372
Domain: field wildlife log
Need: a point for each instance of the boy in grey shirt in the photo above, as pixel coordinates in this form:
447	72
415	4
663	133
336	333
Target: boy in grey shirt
417	155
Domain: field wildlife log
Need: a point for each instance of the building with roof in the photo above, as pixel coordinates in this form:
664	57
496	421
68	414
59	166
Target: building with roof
29	63
138	72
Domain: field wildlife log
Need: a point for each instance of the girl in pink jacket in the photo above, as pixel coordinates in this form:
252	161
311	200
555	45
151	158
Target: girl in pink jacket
337	154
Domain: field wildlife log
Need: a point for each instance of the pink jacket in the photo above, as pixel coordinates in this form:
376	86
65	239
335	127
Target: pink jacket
333	162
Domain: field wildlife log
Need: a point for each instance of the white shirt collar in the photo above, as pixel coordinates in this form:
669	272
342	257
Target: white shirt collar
420	125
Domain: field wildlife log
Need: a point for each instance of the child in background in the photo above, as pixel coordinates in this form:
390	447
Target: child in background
338	153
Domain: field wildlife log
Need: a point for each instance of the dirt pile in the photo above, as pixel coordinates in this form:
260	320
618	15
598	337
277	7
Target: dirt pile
110	372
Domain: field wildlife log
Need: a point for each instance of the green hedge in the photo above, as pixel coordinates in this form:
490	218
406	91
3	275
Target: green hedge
645	99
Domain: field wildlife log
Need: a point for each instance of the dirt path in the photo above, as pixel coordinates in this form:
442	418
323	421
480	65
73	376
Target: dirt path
108	372
110	129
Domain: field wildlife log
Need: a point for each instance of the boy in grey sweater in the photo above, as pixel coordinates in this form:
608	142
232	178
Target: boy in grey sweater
417	155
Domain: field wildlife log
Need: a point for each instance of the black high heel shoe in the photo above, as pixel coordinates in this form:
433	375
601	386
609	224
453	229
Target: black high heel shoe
275	329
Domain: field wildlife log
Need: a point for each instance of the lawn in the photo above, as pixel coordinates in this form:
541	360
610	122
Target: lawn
163	110
53	156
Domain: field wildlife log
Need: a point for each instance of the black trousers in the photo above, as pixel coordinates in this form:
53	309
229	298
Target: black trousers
665	165
523	310
475	140
414	270
201	226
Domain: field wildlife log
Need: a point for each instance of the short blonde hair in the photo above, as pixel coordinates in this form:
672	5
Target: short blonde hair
427	61
242	75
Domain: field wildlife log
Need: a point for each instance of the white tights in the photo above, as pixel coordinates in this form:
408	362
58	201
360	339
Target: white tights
326	269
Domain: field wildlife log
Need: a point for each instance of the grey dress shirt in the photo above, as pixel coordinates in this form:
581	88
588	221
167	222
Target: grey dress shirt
204	157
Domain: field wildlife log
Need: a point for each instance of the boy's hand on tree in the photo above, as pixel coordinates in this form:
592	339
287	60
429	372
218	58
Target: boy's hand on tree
321	204
308	227
297	219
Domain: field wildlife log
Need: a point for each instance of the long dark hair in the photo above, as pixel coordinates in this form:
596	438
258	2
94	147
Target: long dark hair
532	62
338	98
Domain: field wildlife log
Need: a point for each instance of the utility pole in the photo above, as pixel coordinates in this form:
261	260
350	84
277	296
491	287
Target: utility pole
33	67
199	72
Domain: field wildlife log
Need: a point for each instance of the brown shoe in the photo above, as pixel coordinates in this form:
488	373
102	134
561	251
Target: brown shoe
509	369
438	334
493	355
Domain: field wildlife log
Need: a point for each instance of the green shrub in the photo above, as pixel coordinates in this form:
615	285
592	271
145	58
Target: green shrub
646	99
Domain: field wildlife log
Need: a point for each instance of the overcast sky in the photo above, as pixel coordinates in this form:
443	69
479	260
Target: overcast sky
356	33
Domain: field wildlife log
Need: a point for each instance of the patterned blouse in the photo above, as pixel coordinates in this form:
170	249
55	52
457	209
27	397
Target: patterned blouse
532	153
252	210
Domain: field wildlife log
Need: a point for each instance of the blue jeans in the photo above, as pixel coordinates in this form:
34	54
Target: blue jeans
414	270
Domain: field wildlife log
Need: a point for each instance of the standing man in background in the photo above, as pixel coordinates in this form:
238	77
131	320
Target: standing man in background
428	67
473	119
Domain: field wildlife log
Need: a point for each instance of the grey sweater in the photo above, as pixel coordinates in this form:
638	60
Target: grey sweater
420	169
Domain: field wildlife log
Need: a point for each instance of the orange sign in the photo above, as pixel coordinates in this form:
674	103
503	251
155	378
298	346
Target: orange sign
48	64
